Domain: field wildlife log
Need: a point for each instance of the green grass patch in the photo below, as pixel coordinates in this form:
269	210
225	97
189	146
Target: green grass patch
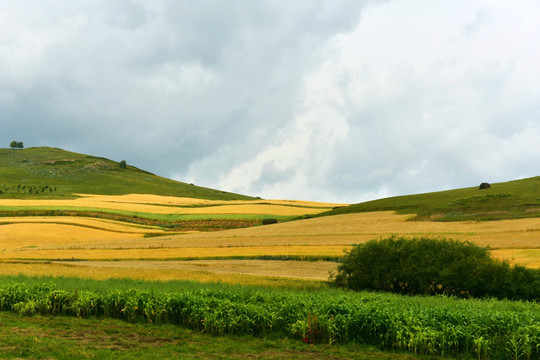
508	200
68	338
66	173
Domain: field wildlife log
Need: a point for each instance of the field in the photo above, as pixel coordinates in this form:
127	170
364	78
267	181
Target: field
87	242
509	200
152	250
47	172
435	326
292	256
74	338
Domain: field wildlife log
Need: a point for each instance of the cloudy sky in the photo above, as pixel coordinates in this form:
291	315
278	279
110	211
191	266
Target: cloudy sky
331	100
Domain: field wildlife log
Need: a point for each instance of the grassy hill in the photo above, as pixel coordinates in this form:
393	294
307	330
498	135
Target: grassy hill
507	200
54	173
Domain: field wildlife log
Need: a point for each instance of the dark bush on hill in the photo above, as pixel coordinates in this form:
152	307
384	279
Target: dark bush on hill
269	221
484	186
434	266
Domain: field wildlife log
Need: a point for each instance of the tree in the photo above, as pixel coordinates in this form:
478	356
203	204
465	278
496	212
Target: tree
123	164
16	144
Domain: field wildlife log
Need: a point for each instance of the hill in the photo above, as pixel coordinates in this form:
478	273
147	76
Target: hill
506	200
55	173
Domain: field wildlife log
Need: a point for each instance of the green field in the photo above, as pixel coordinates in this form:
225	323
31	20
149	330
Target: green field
423	325
508	200
40	337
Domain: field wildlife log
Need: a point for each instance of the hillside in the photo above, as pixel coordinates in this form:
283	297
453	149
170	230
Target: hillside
54	173
507	200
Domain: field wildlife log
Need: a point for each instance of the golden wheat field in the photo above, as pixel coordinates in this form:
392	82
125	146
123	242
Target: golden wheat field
349	229
158	253
92	270
32	232
96	240
101	224
155	204
311	270
184	201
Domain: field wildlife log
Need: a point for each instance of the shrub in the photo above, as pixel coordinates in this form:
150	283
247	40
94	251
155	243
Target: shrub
16	144
269	221
434	266
123	164
484	186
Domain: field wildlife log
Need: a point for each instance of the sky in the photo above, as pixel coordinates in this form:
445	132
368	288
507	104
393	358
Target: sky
324	100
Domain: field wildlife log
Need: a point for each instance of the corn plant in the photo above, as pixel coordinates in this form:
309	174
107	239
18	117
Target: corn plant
485	329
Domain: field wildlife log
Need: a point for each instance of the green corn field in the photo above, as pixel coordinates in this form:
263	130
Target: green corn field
482	329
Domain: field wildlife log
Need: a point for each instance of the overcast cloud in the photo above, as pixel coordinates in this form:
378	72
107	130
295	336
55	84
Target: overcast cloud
319	100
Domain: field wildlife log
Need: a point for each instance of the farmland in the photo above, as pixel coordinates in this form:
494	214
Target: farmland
325	238
75	338
436	326
291	256
147	247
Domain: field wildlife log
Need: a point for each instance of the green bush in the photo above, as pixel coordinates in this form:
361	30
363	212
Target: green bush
16	144
434	266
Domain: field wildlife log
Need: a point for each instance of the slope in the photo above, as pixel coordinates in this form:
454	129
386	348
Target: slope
507	200
54	173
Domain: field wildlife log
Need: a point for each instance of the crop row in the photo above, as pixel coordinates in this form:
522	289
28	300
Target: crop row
485	329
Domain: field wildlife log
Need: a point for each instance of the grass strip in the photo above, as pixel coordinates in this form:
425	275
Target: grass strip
67	338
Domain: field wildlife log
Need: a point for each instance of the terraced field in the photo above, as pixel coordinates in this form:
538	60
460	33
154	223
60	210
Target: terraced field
236	255
140	223
153	205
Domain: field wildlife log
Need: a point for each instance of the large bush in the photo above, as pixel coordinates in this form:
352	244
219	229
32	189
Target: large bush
434	266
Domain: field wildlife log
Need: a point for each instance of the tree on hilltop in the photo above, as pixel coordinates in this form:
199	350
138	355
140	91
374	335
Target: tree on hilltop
16	144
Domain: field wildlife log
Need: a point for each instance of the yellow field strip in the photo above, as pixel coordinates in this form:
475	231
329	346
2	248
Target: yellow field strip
16	236
319	236
312	270
183	201
356	228
524	257
101	224
151	274
170	205
172	253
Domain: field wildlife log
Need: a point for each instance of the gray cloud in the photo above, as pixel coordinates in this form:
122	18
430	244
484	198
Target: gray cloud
323	100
